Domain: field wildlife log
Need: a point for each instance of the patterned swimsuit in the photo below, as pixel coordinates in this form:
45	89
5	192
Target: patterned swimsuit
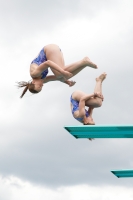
75	105
39	60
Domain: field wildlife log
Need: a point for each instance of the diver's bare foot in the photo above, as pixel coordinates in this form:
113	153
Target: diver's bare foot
89	121
70	83
93	123
89	63
101	77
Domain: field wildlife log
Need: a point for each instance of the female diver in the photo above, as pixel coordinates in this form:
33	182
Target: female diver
51	57
79	100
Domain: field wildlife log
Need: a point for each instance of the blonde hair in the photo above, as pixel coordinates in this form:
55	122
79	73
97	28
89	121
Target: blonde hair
28	86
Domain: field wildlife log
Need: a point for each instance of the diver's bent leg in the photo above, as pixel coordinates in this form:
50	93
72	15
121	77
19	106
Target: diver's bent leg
76	67
54	54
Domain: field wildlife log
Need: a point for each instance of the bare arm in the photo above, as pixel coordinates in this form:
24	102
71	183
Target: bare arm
50	78
42	67
54	78
70	83
84	99
82	104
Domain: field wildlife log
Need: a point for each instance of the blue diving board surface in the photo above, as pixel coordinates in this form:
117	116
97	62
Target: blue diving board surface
123	173
101	131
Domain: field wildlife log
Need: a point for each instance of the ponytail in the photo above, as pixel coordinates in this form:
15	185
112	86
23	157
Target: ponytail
27	86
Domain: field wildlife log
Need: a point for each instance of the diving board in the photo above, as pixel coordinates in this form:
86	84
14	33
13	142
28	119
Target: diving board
101	131
123	173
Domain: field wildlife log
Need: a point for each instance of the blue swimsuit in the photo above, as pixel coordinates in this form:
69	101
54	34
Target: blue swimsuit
39	60
75	105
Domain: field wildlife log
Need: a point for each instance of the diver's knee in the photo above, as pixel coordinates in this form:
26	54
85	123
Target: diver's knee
99	102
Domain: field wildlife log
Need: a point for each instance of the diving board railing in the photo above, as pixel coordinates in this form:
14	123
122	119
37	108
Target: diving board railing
123	173
101	131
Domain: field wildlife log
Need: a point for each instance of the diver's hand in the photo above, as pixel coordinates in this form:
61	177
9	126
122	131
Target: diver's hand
70	83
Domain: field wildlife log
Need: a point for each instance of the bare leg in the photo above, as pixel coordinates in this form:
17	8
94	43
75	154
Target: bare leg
97	102
54	54
76	67
89	118
90	110
99	80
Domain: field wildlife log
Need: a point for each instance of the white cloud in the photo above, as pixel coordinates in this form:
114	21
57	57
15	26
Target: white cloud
32	128
13	188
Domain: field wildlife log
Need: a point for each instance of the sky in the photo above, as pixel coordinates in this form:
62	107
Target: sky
39	159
